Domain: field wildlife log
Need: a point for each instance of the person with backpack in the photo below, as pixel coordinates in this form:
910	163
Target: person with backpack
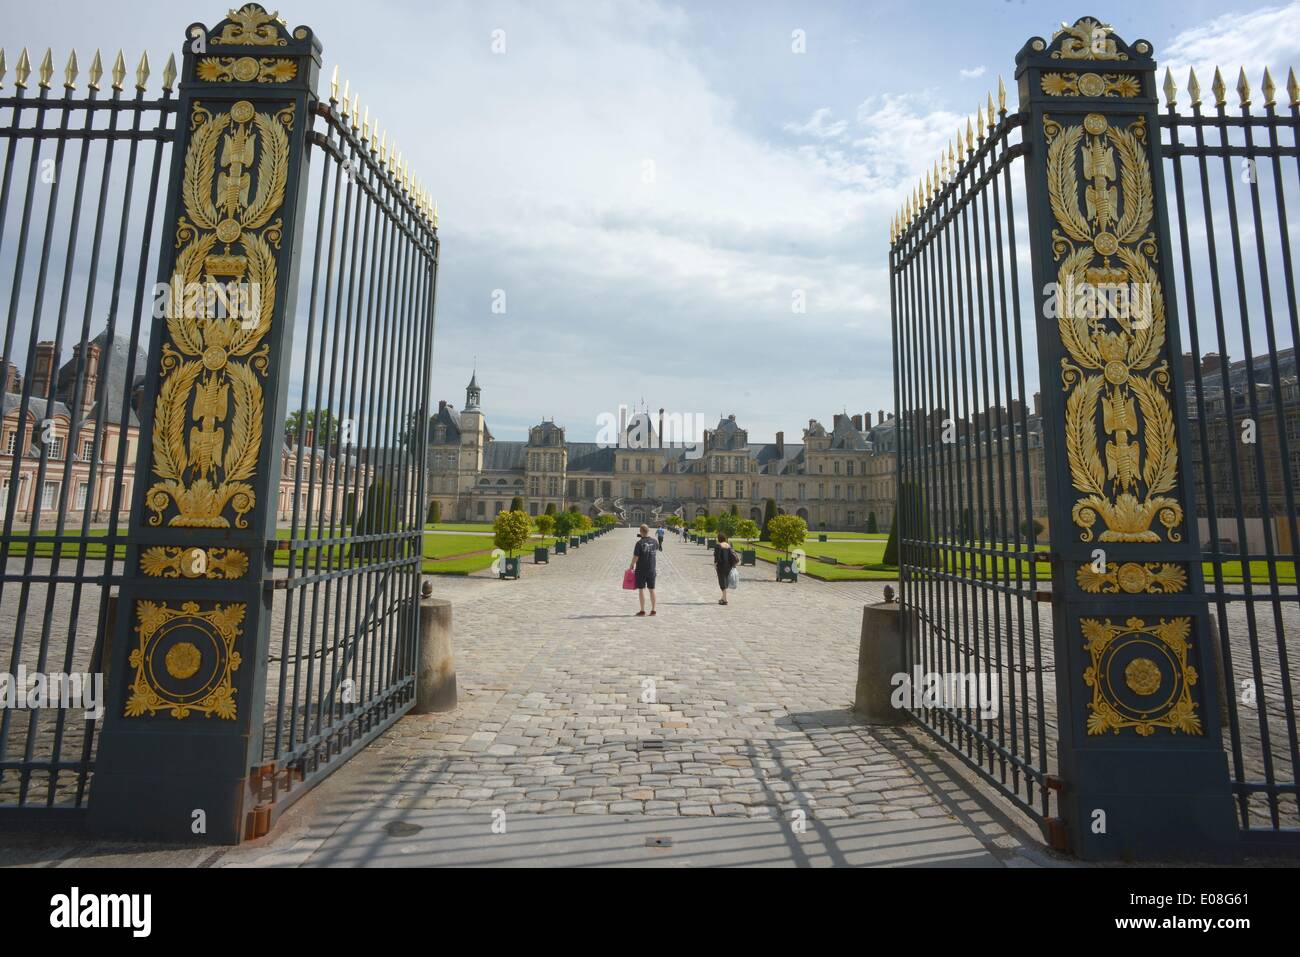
725	561
644	557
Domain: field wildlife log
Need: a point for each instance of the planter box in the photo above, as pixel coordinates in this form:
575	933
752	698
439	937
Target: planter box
575	541
821	538
510	567
561	546
748	556
785	570
541	556
711	543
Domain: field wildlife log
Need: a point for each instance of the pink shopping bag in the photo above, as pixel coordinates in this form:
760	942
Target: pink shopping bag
629	580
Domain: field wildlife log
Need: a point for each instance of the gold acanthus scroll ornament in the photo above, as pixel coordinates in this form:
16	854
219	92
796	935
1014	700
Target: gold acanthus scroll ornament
207	431
1119	424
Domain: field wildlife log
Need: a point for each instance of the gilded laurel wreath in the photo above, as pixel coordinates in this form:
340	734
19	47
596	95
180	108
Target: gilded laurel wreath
208	425
1121	442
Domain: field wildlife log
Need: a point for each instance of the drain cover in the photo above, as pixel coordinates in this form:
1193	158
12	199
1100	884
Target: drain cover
402	829
658	842
652	744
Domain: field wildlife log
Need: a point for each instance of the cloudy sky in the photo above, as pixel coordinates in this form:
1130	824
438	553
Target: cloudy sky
653	184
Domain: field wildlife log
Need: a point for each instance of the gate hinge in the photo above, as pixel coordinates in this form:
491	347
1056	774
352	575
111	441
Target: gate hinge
1057	836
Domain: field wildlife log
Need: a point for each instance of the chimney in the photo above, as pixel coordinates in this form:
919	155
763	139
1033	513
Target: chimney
13	381
442	405
309	438
44	370
857	422
836	420
1038	403
1210	364
882	415
866	418
90	370
780	444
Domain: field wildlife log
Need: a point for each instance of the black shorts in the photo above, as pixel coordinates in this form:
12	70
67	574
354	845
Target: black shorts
644	580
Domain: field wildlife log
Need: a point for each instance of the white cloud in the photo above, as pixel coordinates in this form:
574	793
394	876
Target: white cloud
974	73
1269	36
819	125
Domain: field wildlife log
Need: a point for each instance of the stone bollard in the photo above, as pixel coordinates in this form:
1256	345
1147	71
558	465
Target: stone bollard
882	653
435	668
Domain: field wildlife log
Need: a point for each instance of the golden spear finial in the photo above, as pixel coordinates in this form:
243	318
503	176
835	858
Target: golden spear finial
3	67
1219	89
334	84
1292	87
169	73
1002	96
142	72
119	71
435	214
1171	89
992	116
96	71
70	72
1193	87
46	72
23	70
1270	90
970	137
1243	89
356	109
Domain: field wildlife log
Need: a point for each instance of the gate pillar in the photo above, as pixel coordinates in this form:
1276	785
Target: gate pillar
184	710
1144	774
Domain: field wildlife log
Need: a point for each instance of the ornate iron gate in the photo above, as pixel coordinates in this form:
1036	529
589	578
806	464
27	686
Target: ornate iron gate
263	432
1130	454
78	241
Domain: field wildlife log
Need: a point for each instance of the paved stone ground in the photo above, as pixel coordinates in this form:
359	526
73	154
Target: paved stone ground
750	703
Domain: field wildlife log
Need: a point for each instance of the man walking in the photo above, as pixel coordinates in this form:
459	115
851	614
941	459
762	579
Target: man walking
659	534
643	563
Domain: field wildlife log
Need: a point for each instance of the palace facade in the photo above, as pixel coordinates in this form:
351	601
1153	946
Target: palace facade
73	457
837	478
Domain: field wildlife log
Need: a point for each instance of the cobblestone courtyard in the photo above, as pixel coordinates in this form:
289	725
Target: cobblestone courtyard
594	730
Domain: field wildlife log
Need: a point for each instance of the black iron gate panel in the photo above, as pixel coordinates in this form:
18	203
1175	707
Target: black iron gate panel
79	234
971	499
342	654
1229	171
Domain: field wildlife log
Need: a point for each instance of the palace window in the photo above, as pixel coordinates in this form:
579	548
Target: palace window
534	485
49	494
87	449
552	486
837	468
718	490
56	449
83	493
740	489
849	466
11	443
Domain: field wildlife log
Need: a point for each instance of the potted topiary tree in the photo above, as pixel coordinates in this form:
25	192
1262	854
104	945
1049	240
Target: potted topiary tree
748	530
563	525
510	533
545	525
788	532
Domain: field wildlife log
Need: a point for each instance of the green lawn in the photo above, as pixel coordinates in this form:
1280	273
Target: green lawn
459	527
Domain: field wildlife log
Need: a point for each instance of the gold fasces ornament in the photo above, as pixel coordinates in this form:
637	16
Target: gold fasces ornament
1120	435
207	432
